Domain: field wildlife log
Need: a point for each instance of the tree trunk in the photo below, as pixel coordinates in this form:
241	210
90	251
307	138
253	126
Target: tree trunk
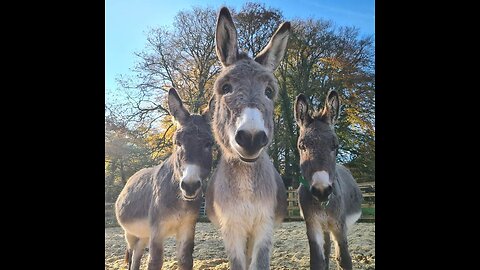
290	142
111	175
122	172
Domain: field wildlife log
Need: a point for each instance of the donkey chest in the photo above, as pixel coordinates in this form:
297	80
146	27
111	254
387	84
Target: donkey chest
245	214
245	195
171	224
244	199
323	219
169	214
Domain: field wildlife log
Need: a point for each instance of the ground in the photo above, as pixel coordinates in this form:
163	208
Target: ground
290	249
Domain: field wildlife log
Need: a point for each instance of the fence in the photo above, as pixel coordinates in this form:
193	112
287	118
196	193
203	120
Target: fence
367	188
368	192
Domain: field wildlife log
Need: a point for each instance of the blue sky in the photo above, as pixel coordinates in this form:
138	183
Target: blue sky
126	22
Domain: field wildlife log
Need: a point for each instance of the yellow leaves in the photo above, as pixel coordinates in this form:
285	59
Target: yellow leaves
353	116
332	62
160	142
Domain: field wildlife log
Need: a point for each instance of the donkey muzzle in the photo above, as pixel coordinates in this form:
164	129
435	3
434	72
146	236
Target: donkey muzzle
190	190
250	142
321	195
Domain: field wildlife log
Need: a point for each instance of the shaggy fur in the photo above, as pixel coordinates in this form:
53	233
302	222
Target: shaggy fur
153	205
245	199
317	145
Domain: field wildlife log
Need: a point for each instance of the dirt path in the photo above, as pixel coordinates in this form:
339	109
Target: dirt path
290	250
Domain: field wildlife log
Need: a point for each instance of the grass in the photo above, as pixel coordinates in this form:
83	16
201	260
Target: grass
368	211
296	212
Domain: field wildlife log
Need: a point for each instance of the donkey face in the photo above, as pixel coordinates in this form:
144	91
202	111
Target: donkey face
318	144
245	91
193	143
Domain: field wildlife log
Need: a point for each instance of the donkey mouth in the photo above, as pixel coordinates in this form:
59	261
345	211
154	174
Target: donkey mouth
322	198
249	160
190	198
248	157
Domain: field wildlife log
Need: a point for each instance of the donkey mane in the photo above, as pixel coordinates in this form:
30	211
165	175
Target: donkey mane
320	115
193	125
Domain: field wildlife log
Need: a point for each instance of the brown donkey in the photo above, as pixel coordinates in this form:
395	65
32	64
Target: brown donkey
246	197
332	201
165	200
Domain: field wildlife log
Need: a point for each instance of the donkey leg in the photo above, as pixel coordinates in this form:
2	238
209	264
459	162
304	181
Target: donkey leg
250	243
131	242
327	248
128	258
341	247
262	246
138	251
316	243
235	240
184	245
155	259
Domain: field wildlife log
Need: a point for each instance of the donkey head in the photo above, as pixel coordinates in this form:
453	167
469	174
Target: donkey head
318	144
245	91
192	147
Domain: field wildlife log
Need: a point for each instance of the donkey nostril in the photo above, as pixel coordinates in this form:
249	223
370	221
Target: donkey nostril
262	138
328	190
259	140
243	138
196	185
321	195
315	192
190	188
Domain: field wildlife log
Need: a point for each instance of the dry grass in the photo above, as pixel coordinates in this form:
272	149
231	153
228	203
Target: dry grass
290	250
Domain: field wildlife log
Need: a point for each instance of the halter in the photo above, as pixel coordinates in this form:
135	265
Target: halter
303	181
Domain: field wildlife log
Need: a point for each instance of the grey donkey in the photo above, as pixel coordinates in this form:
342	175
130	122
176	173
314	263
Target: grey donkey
246	197
165	200
332	201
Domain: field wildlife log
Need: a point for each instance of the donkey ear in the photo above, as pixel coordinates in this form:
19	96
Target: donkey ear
175	106
301	111
208	112
332	106
273	53
226	38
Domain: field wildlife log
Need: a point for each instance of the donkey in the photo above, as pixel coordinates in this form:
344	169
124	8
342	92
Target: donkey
332	201
245	196
165	200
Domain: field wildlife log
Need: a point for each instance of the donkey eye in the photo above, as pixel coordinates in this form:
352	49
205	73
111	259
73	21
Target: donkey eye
301	145
226	88
269	92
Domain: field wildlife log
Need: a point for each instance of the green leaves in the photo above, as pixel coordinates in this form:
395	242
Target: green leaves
319	58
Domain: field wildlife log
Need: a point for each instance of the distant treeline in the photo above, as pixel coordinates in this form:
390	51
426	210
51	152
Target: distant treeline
320	57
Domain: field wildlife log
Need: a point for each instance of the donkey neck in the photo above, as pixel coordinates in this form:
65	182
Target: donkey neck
172	164
237	166
247	178
336	185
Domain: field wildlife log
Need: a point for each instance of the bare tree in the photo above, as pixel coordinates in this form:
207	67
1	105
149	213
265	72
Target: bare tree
183	57
256	24
319	57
